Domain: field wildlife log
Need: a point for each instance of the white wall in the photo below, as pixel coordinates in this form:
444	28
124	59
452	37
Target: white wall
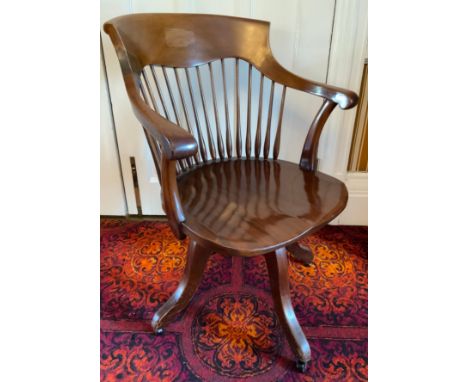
347	55
112	193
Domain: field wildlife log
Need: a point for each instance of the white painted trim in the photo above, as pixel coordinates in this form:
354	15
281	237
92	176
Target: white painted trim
356	182
347	56
355	212
112	196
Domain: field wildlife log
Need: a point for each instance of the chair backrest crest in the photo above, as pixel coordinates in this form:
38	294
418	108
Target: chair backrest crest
185	40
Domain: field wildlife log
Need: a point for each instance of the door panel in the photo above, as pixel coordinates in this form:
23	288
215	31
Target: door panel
111	187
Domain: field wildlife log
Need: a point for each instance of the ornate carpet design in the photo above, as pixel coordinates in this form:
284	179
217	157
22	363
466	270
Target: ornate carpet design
229	332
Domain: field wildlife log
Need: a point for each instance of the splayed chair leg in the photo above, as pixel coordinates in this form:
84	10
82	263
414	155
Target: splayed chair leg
277	263
197	257
301	253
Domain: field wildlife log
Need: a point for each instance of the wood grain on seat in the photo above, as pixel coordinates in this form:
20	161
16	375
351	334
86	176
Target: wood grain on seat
251	207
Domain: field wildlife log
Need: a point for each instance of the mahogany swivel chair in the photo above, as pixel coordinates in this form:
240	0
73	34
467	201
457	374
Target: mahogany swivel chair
222	183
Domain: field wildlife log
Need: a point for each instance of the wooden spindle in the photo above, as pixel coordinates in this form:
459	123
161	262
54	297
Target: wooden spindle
215	107
154	147
155	153
151	95
258	136
280	122
183	163
171	96
201	143
184	106
238	125
249	106
143	92
178	167
266	144
158	89
226	112
207	120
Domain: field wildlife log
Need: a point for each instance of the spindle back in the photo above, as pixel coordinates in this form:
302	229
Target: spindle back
216	77
207	101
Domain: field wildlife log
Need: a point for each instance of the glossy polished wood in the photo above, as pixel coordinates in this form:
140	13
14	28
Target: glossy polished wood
197	257
222	201
301	253
310	149
249	207
277	264
185	40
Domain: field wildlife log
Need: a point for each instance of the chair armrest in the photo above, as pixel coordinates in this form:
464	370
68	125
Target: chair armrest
332	95
175	142
346	99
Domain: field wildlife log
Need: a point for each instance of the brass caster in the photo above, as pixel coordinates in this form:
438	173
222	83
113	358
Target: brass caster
159	331
301	366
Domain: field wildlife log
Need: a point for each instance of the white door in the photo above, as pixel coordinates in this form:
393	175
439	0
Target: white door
112	193
301	39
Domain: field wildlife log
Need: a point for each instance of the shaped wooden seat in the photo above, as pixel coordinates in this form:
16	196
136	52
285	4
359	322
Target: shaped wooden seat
251	207
222	182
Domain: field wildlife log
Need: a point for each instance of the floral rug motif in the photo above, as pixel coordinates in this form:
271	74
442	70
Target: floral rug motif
229	332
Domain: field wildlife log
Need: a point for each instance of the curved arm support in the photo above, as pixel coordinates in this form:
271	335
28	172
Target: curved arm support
171	198
346	99
174	142
310	149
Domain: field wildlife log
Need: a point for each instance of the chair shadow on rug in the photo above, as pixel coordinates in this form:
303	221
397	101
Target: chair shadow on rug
222	184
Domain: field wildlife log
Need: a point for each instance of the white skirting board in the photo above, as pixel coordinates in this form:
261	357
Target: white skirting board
355	212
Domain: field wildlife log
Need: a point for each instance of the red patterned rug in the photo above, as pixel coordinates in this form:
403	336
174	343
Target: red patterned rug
229	332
